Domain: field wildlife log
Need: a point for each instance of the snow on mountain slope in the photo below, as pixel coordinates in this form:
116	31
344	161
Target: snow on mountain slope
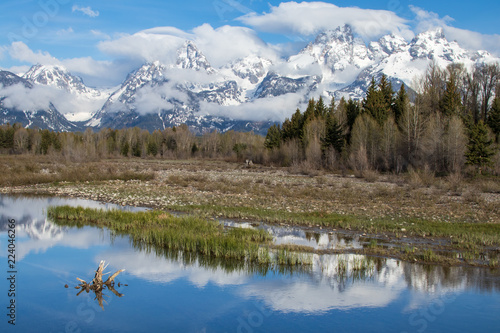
71	96
337	63
406	62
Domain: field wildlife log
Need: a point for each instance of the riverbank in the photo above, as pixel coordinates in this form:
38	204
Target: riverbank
450	220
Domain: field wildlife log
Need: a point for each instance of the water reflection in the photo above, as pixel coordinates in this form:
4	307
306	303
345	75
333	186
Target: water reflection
318	240
319	289
34	233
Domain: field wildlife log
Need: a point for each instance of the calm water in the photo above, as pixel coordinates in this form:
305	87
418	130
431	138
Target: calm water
167	294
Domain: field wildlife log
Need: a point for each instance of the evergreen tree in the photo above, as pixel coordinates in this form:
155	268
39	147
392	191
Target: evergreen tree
310	111
273	137
494	117
46	141
194	148
375	103
479	151
400	103
124	149
333	135
152	148
292	129
331	108
451	102
386	94
352	112
320	109
136	149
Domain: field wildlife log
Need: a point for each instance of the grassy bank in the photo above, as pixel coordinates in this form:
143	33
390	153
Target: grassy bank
187	234
463	235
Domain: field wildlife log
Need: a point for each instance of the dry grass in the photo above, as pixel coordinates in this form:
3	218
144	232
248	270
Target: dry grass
216	183
25	170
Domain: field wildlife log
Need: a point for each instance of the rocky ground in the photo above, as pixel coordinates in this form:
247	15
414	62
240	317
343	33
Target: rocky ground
186	185
196	182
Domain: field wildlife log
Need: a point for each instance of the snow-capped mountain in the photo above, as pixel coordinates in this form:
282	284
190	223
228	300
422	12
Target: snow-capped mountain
189	90
335	51
189	57
16	90
59	77
77	101
404	62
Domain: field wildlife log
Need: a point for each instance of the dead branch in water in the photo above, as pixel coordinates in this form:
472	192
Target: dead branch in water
97	284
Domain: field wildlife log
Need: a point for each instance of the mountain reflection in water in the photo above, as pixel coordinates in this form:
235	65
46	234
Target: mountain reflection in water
317	290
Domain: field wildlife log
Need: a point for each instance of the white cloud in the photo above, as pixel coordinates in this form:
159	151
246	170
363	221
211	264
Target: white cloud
262	109
85	10
219	45
309	18
425	20
145	46
154	99
229	43
22	98
40	97
21	52
95	72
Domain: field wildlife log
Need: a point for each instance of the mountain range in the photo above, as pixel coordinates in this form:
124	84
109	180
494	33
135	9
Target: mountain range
247	94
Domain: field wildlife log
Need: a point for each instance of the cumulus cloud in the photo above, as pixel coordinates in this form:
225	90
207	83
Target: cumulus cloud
309	18
85	10
154	99
20	51
425	20
219	45
41	97
146	45
95	72
262	109
229	43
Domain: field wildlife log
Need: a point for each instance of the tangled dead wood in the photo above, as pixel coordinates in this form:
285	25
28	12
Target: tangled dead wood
98	285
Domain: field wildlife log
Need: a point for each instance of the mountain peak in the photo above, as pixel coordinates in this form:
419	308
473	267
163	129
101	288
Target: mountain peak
433	34
342	34
59	77
189	57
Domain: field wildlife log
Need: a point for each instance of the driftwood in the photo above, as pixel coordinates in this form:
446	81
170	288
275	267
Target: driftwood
97	285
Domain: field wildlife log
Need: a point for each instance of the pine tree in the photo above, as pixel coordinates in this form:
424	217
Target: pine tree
292	129
273	137
375	102
352	112
331	107
320	109
400	103
494	117
479	151
386	94
451	102
333	135
310	111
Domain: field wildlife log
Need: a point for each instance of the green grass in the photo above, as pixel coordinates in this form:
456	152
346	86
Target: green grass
186	234
463	235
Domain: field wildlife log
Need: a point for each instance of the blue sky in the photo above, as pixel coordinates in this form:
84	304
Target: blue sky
91	37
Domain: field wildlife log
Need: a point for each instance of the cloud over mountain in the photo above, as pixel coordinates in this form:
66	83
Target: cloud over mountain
310	18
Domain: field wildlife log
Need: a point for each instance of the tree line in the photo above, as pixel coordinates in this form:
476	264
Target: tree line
171	143
452	120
